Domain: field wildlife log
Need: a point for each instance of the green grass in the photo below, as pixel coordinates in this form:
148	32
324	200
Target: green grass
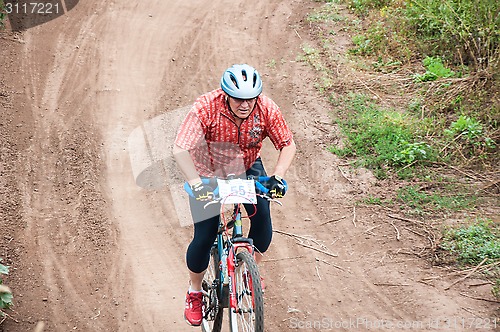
445	200
380	138
315	58
471	244
328	13
5	294
435	69
3	15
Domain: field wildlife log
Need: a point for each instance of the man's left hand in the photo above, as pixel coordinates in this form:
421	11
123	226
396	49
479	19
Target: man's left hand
277	187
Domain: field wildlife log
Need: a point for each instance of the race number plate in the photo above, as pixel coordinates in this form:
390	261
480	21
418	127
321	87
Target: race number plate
237	191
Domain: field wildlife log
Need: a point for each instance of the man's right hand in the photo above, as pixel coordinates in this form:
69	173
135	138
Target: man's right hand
202	192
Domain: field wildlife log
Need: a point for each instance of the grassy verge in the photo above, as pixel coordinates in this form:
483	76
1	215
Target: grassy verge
421	108
426	118
3	15
476	244
5	293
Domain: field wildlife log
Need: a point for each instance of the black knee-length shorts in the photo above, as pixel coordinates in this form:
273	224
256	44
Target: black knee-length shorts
205	229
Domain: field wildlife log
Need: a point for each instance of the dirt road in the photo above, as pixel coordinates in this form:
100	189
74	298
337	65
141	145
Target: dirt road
95	251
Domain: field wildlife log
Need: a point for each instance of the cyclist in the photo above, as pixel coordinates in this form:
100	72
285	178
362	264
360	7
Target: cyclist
223	134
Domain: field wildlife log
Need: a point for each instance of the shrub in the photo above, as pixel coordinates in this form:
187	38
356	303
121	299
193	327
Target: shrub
435	70
474	243
467	31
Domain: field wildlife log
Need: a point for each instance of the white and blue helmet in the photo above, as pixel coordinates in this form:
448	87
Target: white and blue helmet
242	82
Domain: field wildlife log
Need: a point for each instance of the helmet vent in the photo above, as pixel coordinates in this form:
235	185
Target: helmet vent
235	81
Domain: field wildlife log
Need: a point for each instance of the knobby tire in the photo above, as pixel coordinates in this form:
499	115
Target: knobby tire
213	272
249	296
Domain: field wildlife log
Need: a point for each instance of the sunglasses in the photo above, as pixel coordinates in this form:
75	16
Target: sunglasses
241	101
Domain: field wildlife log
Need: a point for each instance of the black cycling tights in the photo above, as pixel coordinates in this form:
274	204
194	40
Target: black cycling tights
205	230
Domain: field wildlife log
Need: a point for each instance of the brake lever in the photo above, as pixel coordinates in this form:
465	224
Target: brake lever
214	201
270	199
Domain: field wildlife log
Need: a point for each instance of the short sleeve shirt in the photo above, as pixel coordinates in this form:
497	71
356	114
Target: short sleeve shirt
218	146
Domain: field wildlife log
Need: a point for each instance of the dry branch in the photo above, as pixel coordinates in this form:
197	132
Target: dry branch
333	220
342	172
354	217
300	241
387	284
479	298
328	263
318	250
281	259
468	275
397	231
317	272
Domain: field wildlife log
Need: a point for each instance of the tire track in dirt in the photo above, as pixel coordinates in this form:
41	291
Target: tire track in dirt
153	244
63	204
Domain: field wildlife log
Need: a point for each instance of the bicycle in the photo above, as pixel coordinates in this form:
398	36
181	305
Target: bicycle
232	279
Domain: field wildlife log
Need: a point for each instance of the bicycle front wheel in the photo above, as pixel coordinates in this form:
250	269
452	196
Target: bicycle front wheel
248	316
213	311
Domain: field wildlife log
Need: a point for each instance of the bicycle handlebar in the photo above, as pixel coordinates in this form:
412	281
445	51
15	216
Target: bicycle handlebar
257	179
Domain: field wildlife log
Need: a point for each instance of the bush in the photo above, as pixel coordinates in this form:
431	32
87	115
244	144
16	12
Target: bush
473	243
435	69
466	31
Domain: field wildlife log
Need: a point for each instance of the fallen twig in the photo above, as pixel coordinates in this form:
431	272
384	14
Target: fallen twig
297	34
328	263
333	220
479	298
484	267
9	316
291	235
354	217
98	314
397	231
317	272
468	275
405	219
319	250
411	230
367	87
306	245
320	128
372	228
387	284
281	259
342	172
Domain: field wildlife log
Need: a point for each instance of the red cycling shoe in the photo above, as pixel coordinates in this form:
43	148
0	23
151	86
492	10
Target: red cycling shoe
193	312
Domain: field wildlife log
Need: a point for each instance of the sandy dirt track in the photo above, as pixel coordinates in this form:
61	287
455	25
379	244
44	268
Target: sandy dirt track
96	252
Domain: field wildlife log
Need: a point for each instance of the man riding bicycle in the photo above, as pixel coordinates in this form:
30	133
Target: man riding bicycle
222	134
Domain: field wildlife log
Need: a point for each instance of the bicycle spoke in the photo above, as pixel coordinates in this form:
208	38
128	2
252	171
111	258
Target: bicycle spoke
213	312
249	314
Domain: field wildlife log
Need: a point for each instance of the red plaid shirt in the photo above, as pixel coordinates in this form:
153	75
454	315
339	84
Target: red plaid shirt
216	143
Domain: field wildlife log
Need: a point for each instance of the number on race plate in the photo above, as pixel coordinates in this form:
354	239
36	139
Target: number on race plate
237	191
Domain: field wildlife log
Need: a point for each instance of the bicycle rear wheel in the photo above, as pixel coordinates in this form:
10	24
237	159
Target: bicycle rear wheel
213	311
249	314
